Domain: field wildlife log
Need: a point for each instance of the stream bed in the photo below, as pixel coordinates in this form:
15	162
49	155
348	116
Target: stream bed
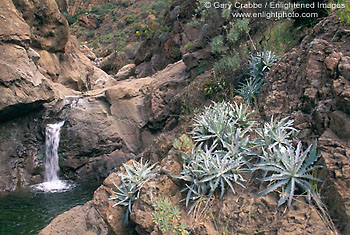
27	211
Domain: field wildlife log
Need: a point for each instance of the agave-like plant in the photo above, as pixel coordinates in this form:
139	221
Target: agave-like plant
293	168
131	183
219	120
208	170
250	89
259	64
277	133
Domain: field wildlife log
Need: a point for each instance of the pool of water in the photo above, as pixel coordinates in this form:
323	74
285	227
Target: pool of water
28	211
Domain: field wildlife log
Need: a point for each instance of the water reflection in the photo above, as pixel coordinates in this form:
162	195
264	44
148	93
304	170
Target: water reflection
27	212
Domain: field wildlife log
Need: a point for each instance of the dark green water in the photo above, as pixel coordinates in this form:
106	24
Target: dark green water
27	212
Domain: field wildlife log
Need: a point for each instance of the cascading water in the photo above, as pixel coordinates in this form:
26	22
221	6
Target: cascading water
51	144
52	182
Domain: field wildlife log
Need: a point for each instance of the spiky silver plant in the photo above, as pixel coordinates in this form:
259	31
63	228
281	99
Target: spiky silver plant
250	89
208	170
292	168
131	184
276	133
218	120
259	64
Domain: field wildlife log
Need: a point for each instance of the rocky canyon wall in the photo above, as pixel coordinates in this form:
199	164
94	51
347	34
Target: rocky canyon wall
44	78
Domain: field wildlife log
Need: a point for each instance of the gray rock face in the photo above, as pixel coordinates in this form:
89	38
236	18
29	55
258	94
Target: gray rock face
21	152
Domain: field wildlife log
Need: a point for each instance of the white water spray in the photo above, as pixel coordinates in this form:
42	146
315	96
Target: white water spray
51	144
52	182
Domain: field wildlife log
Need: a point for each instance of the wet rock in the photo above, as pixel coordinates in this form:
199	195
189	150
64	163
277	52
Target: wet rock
21	152
81	219
97	216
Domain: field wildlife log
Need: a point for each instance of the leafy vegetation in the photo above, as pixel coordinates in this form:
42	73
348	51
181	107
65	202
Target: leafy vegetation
250	89
207	170
160	6
217	45
167	217
344	13
281	36
290	168
218	157
223	153
259	64
227	64
131	184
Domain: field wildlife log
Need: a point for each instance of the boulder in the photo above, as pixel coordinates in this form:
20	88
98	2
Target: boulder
125	72
98	216
23	88
113	62
81	219
73	69
88	52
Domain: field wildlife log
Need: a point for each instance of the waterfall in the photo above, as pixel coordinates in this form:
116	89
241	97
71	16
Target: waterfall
52	182
51	146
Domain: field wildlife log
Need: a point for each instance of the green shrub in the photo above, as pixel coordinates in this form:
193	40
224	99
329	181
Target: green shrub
90	34
276	133
129	19
167	217
107	38
217	45
188	47
233	35
124	3
95	44
242	25
219	121
213	87
344	13
206	171
282	36
161	6
219	156
261	62
227	64
250	89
